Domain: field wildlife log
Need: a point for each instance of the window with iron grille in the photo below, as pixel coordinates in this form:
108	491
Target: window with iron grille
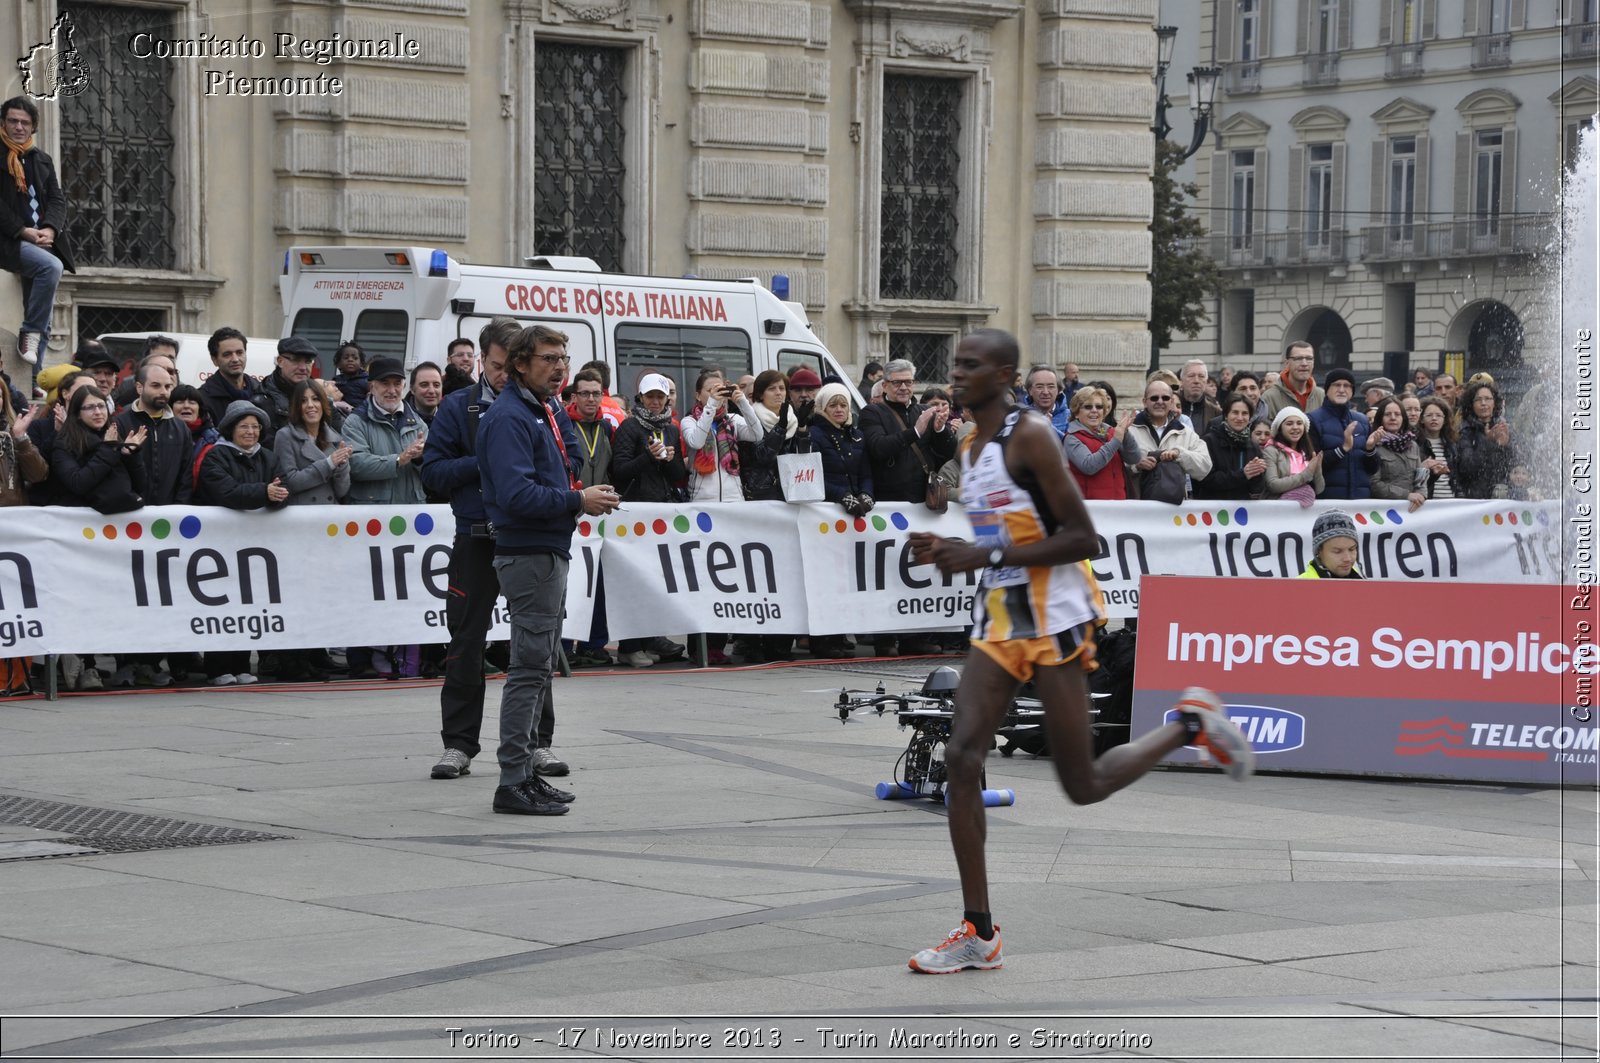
928	351
578	144
93	320
117	145
921	141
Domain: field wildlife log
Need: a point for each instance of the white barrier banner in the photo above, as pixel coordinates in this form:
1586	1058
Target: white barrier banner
672	569
859	575
196	578
1476	542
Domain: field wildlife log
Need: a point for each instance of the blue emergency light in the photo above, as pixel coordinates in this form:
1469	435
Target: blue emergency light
439	264
780	285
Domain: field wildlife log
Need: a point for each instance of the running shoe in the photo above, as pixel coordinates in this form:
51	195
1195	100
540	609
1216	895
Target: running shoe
1219	736
963	949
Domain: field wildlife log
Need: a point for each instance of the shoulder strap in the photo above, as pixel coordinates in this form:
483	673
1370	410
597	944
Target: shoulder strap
200	457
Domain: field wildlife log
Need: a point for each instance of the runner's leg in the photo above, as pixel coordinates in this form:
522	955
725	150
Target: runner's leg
1086	780
982	701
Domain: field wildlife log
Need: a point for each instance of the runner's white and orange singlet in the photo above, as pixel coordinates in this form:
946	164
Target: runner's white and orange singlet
1016	603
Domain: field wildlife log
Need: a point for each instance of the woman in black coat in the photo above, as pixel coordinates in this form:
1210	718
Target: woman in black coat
1484	457
89	464
846	469
647	448
781	434
846	477
1236	462
237	473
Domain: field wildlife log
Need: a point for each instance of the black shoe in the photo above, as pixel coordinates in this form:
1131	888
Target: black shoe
540	790
517	801
885	649
665	649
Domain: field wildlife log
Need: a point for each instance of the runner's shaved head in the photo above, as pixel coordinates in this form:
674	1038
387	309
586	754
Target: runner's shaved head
998	346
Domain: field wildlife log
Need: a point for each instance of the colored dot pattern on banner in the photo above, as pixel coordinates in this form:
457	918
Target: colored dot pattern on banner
1374	517
422	524
861	524
659	526
1513	517
1206	519
160	528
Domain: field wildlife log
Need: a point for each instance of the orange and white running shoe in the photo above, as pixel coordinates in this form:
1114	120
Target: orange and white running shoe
1219	736
963	949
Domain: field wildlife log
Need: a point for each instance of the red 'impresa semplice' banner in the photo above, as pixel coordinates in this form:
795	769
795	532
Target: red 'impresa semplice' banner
1440	680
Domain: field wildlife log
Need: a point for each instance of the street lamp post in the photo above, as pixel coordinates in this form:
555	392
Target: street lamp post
1202	91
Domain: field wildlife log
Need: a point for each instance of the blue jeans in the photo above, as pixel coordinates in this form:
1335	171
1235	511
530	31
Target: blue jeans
535	586
41	273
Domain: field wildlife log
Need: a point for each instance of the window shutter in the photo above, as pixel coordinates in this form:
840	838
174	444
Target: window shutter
1422	178
1385	21
1220	190
1508	185
1565	17
1303	31
1344	24
1469	20
1462	221
1336	200
1225	30
1298	222
1263	30
1259	206
1377	205
1519	15
1430	19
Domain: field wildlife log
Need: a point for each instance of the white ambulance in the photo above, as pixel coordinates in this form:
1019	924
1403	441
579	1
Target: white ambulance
410	302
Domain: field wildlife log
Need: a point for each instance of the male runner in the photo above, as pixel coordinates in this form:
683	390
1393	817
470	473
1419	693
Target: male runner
1034	617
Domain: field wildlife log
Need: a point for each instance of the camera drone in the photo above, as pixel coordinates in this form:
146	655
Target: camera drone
928	711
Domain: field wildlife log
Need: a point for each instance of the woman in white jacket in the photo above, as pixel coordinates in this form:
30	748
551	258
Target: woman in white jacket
712	434
1172	455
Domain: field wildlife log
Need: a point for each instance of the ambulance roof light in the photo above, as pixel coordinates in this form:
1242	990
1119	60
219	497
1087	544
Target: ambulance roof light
780	286
309	259
286	262
439	264
397	258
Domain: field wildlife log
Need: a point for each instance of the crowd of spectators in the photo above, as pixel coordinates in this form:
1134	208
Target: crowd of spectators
290	438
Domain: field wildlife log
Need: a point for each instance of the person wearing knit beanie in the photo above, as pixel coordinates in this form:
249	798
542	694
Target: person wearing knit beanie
1334	548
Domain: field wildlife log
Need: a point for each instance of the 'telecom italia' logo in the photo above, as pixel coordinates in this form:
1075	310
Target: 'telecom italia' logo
1498	741
1269	730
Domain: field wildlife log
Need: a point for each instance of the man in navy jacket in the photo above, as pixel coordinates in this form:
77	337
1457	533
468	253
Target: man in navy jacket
532	499
1341	433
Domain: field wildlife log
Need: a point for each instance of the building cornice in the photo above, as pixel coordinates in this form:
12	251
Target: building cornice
967	12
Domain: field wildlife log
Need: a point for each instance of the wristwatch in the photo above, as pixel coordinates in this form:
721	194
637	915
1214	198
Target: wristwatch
995	555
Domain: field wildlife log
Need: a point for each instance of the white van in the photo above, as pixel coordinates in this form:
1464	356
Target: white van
410	302
194	357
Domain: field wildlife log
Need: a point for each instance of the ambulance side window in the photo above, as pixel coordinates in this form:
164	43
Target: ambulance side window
789	360
321	328
580	338
383	334
680	353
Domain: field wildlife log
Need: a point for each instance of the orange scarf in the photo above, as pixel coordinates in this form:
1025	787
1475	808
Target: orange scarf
14	154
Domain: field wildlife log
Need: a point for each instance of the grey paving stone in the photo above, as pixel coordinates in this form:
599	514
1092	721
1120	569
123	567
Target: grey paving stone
748	805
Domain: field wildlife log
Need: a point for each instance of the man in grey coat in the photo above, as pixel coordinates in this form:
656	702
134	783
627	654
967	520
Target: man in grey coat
386	438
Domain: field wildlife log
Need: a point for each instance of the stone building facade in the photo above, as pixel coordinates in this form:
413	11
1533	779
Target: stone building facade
915	168
1384	176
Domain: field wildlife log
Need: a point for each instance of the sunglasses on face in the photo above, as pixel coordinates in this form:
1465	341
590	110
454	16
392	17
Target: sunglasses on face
1159	398
1093	406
